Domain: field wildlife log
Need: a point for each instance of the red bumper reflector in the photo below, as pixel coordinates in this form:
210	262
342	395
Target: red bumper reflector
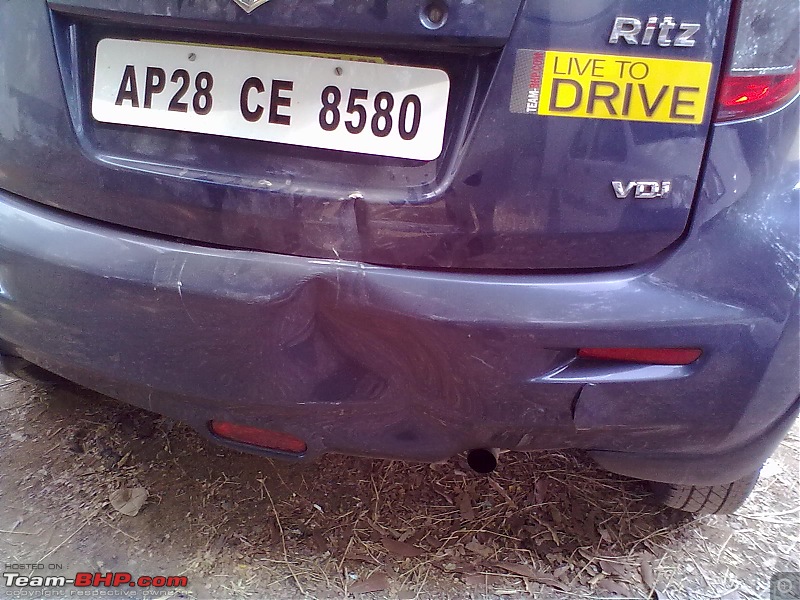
742	97
652	356
263	438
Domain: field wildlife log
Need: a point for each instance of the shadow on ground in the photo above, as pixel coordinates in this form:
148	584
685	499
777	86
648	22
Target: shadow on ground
240	526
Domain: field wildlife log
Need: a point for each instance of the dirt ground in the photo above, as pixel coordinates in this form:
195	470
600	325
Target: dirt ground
544	525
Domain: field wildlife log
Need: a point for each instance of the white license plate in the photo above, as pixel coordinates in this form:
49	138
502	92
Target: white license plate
338	103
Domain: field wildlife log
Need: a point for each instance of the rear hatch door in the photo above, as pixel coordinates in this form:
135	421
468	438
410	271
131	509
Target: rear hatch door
471	135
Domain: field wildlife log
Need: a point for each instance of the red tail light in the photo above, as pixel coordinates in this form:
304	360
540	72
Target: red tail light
651	356
263	438
764	71
747	96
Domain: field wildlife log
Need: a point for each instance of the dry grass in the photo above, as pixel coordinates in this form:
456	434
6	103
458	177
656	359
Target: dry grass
545	525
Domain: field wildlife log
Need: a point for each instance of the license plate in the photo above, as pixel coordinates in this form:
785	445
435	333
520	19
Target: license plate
338	103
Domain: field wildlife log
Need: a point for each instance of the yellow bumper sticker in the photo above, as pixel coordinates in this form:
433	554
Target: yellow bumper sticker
604	86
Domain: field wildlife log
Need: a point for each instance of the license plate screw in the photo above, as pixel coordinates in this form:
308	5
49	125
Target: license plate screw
434	14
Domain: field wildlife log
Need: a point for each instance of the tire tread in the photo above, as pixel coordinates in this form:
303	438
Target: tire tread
706	500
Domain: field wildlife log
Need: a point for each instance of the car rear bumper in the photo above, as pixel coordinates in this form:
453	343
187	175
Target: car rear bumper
397	363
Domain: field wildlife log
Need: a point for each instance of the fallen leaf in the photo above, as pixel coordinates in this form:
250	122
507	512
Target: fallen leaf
612	586
586	554
530	573
355	555
401	548
549	581
319	540
596	579
646	570
478	548
540	490
482	580
128	501
613	568
465	507
406	535
524	570
377	582
379	529
560	571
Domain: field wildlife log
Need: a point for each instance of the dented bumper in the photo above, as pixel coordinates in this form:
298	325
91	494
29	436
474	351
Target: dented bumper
399	363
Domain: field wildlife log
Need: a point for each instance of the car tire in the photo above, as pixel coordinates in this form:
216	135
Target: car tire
705	500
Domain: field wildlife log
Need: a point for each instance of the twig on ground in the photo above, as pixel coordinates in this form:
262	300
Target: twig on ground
283	542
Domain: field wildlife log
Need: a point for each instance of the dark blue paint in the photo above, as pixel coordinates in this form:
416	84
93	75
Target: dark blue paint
509	192
381	361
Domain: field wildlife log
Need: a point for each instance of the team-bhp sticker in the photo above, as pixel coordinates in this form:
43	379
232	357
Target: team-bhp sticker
604	86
